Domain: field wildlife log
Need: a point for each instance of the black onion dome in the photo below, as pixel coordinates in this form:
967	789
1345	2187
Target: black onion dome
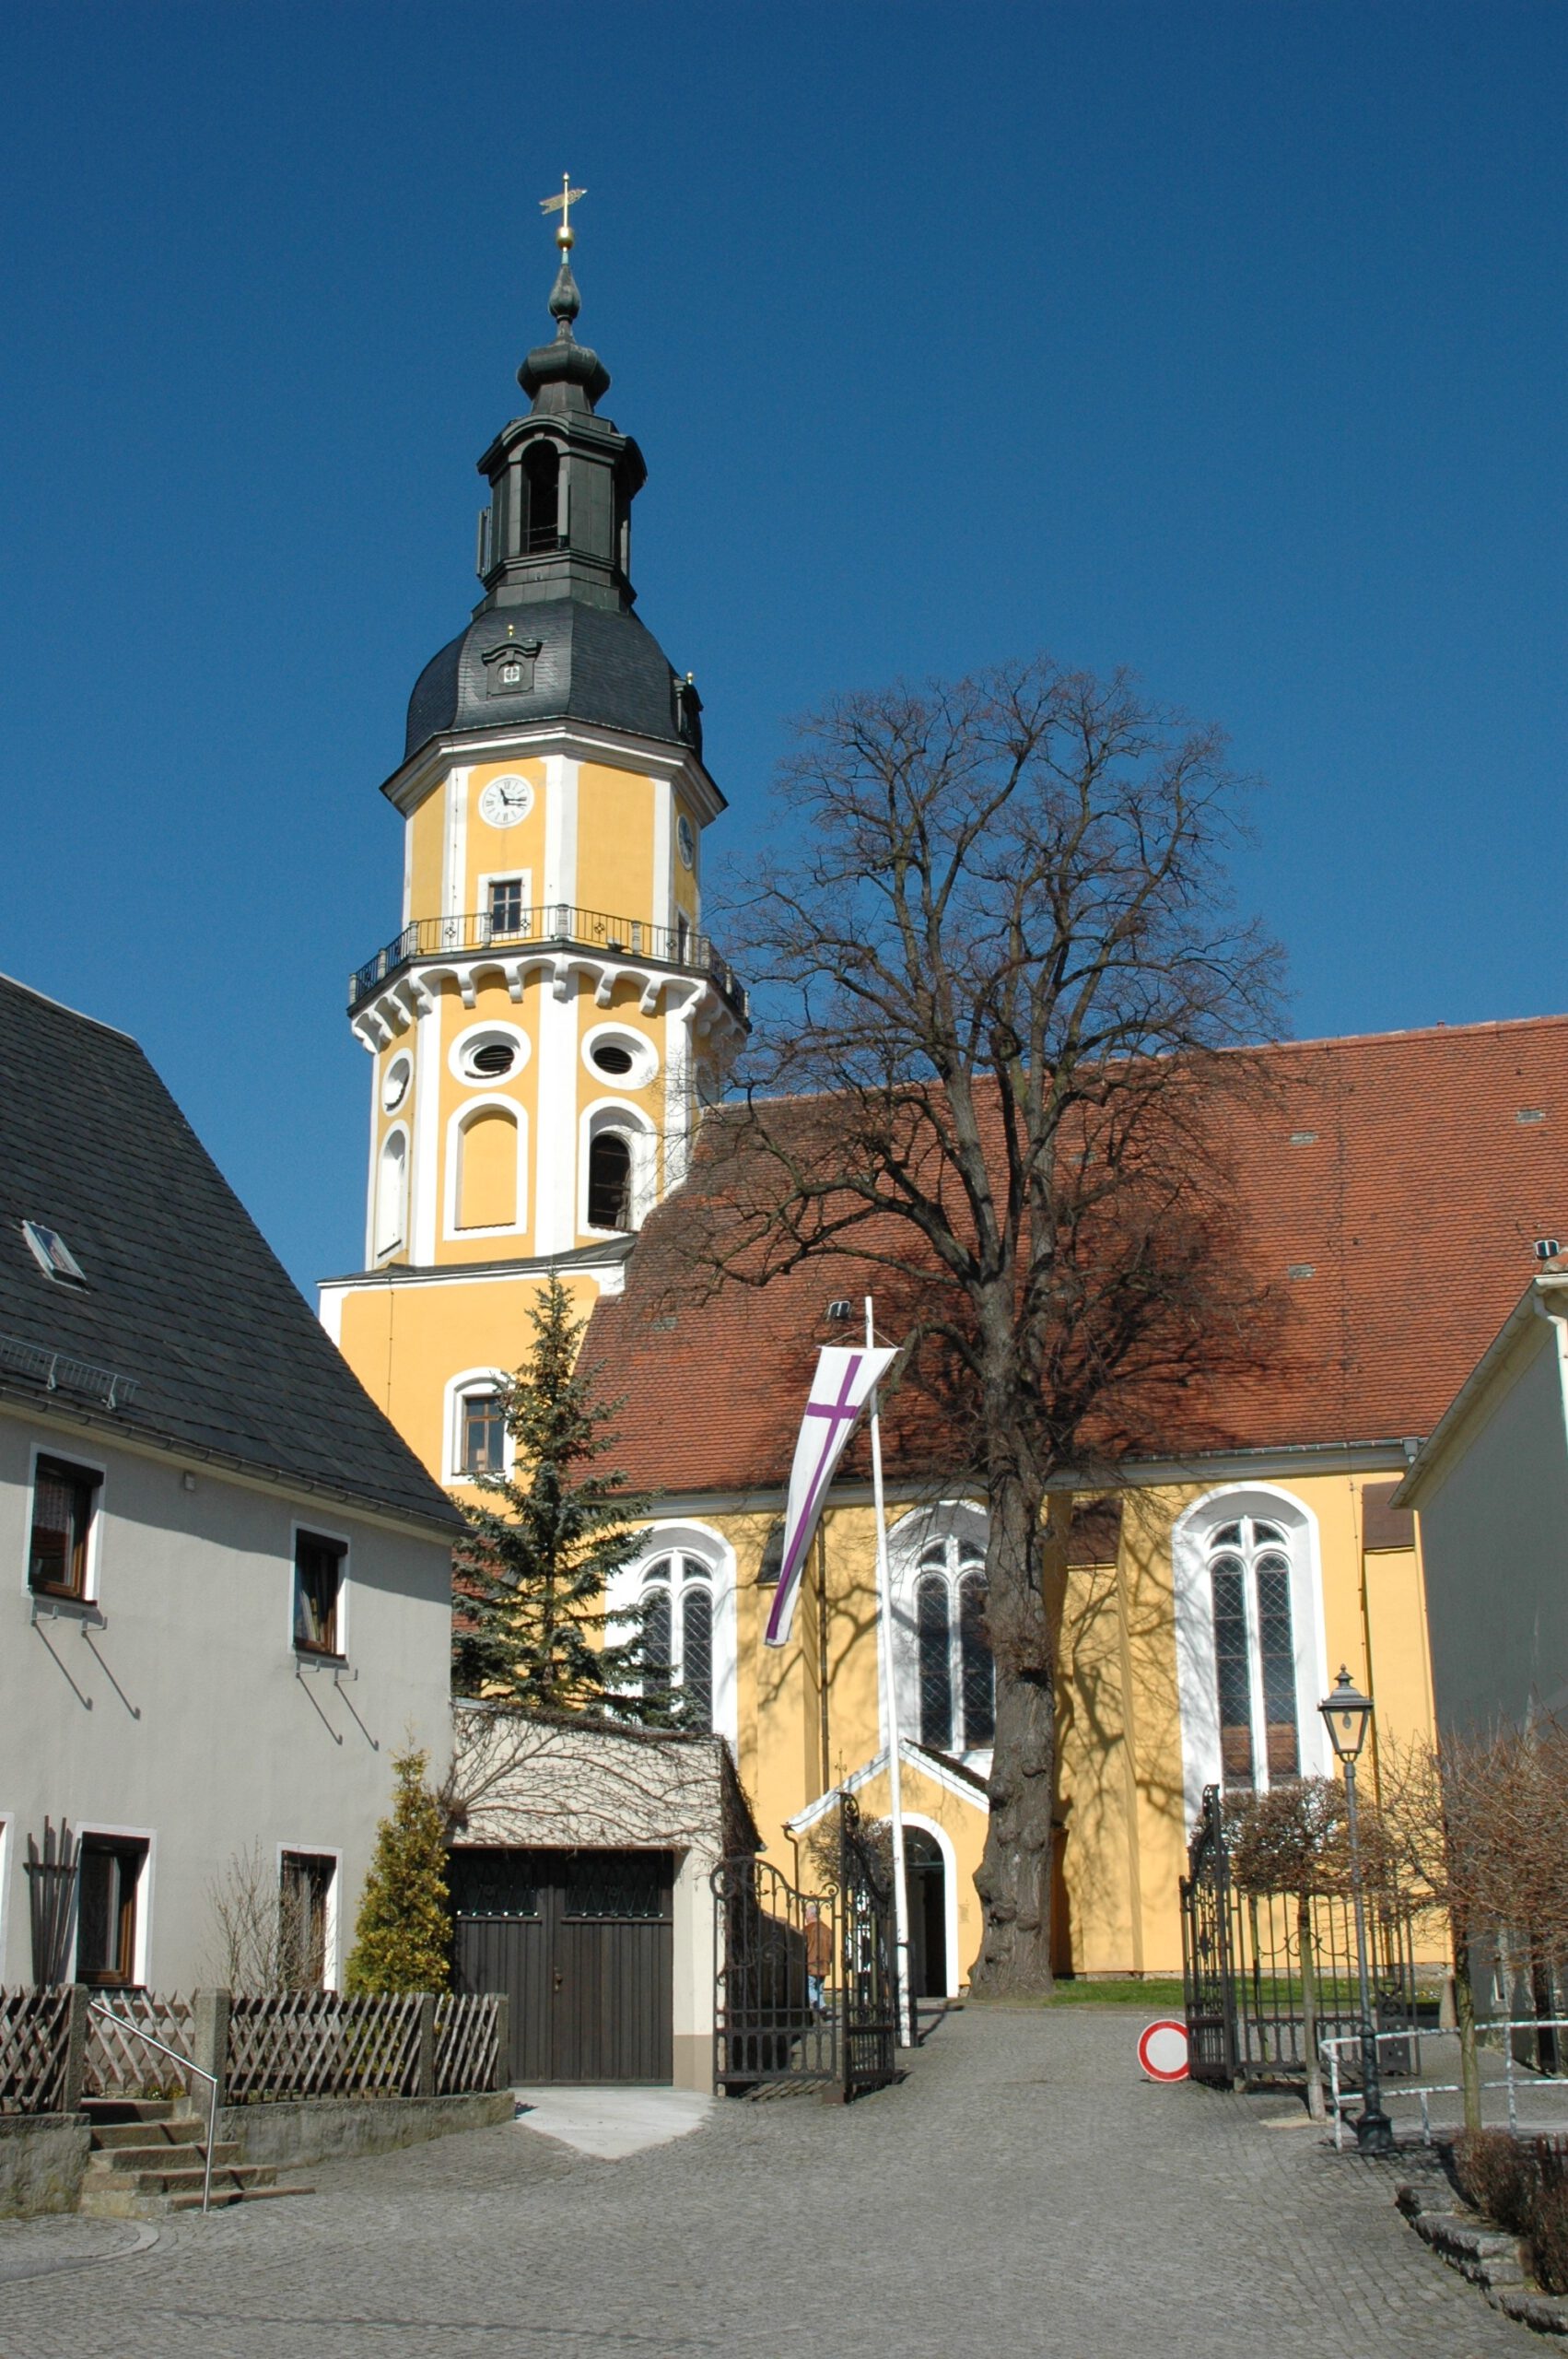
592	665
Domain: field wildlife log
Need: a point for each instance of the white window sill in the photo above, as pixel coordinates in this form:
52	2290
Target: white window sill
43	1606
308	1659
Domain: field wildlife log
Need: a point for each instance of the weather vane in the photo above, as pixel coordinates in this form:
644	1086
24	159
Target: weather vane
566	235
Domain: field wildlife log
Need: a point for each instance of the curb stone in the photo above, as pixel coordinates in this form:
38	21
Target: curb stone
1486	2257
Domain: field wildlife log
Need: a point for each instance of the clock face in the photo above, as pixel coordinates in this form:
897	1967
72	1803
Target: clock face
506	801
685	840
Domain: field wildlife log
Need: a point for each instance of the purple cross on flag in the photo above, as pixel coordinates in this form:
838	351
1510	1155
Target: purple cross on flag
840	1388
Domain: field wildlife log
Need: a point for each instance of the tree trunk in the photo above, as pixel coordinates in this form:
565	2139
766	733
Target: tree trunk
1464	2010
1014	1876
1309	2017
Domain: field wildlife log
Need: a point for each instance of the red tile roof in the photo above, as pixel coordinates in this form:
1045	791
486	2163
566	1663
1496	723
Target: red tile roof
1391	1192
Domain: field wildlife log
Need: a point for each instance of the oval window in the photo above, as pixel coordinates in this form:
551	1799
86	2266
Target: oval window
492	1059
394	1084
611	1057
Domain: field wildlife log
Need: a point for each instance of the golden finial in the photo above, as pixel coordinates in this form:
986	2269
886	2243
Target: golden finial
566	235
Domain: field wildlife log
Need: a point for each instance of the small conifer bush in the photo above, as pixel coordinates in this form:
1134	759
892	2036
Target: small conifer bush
403	1938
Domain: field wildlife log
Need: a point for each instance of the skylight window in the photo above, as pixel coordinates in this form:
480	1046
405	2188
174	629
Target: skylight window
51	1253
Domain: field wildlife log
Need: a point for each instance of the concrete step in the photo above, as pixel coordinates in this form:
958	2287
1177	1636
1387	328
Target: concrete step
178	2130
243	2195
149	2195
189	2153
116	2110
175	2178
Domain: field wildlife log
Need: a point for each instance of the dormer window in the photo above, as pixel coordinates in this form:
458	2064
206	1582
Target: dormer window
51	1253
508	668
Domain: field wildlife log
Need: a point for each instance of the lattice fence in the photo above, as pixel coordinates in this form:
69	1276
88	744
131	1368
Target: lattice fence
32	2049
468	2043
118	2064
315	2044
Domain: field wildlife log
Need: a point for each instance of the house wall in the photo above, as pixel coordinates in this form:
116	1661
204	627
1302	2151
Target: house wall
184	1717
1494	1548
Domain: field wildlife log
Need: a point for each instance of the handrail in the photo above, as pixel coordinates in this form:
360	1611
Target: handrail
548	923
1507	2025
125	2023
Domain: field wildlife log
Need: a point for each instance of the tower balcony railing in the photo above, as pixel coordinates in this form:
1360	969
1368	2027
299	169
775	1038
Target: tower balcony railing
553	923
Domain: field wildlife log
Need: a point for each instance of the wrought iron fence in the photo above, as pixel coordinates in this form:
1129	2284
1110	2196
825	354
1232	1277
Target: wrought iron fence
1269	1976
805	1983
552	922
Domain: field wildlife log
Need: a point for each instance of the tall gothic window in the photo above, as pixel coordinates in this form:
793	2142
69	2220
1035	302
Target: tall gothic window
956	1677
1254	1666
677	1606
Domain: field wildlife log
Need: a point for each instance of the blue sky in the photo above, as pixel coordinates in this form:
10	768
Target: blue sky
1227	342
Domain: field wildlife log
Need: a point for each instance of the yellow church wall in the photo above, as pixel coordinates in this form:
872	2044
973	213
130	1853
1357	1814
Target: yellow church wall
407	1343
457	1238
428	827
687	890
615	840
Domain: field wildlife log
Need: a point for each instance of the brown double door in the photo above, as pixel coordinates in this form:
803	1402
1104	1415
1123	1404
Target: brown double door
582	1942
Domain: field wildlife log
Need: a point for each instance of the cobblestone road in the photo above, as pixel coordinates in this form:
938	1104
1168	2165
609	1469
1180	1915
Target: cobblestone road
1022	2192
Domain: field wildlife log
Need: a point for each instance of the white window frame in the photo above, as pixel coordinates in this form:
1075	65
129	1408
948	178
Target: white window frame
331	1966
302	1657
7	1837
455	1393
142	1958
620	1115
709	1546
67	1455
457	1125
1192	1546
382	1244
491	1027
948	1521
488	876
643	1052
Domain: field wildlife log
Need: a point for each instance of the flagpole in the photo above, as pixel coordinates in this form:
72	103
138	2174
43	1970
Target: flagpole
906	2001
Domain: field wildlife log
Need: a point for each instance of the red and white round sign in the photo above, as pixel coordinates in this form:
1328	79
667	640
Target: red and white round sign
1162	2050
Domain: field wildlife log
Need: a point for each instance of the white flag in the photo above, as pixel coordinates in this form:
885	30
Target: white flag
839	1390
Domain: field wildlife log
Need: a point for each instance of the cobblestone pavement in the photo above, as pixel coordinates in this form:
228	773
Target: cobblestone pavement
1024	2191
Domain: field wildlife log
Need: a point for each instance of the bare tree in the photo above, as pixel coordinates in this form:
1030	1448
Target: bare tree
996	974
260	1936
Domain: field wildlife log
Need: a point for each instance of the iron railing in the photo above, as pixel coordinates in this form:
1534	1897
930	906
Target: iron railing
553	922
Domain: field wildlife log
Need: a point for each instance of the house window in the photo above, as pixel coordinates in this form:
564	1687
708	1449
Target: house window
609	1182
305	1883
1254	1667
108	1897
63	1499
677	1606
317	1594
955	1677
482	1433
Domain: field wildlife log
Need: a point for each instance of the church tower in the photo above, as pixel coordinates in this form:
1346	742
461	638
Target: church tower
549	1016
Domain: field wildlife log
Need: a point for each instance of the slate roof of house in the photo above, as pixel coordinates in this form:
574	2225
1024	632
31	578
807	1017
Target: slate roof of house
183	1294
1390	1193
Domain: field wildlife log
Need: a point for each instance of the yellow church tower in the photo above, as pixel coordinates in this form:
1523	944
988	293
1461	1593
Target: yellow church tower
549	1017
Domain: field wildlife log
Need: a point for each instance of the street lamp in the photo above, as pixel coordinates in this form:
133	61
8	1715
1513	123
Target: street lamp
1347	1715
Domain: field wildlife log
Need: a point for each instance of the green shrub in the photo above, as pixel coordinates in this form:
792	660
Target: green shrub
1548	2238
1498	2176
404	1936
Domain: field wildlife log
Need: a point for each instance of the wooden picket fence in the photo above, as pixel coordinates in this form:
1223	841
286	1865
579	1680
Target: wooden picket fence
291	2045
33	2029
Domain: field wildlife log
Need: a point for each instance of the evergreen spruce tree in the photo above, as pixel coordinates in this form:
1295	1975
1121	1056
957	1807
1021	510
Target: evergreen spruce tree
403	1938
531	1625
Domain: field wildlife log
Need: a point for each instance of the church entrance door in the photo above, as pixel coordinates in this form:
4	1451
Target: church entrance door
582	1943
925	1873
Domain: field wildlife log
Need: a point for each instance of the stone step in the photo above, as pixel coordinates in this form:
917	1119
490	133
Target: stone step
240	2195
113	2109
147	2195
187	2154
182	2129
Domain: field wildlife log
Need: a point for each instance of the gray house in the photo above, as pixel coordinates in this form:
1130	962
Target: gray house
1490	1487
228	1577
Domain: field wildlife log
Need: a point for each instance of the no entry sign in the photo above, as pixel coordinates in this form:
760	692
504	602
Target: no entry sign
1162	2050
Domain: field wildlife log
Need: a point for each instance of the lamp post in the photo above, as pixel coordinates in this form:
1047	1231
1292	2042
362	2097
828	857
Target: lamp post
1347	1714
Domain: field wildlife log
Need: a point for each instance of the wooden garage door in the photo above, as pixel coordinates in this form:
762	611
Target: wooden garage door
582	1944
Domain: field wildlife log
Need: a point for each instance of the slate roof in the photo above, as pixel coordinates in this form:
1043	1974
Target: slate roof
593	664
183	1296
1390	1196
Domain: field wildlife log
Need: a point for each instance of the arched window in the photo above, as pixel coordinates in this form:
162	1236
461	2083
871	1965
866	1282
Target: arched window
391	1193
608	1180
677	1609
955	1675
1255	1662
542	468
488	1169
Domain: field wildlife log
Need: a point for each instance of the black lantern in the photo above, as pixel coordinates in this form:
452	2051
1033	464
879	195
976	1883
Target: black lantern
1347	1715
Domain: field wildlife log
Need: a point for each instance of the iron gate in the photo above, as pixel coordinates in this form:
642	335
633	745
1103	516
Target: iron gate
804	1983
1269	1974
